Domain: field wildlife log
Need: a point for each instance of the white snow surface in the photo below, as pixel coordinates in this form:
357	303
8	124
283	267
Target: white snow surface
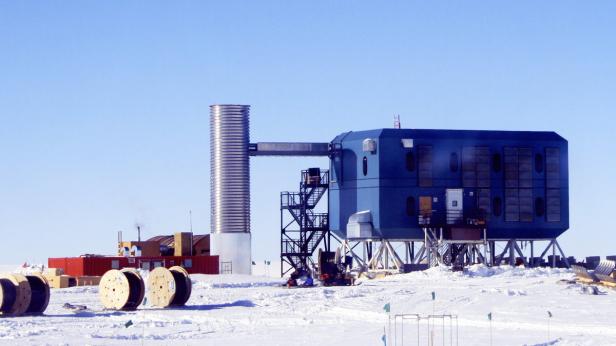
250	310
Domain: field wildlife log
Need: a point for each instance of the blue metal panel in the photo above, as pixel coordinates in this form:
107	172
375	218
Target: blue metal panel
387	184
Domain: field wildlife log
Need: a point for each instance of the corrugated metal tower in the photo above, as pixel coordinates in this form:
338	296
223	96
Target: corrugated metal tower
230	186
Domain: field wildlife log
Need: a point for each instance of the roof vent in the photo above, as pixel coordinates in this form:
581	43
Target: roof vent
407	143
369	145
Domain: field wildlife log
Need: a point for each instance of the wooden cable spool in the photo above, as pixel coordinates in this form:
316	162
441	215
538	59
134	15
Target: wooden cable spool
7	296
39	288
15	294
169	287
138	284
23	294
121	289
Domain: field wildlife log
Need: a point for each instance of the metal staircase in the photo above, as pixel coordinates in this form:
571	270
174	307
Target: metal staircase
302	228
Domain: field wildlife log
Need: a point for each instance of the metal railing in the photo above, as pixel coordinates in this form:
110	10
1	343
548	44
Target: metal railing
317	220
295	199
290	246
315	177
288	199
423	330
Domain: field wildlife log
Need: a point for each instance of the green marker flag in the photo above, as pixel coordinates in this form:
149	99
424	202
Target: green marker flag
128	324
550	314
490	316
387	308
433	295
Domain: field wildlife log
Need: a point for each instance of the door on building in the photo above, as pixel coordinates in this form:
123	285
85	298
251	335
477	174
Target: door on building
455	208
425	210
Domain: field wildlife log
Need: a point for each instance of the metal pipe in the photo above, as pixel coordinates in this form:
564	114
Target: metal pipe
288	149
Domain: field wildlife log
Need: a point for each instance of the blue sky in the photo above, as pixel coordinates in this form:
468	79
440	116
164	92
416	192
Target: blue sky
105	119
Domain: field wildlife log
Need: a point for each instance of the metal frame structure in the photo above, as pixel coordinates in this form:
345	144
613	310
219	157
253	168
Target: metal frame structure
455	240
385	255
302	228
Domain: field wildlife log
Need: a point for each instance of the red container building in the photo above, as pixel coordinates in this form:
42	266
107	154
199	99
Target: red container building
98	265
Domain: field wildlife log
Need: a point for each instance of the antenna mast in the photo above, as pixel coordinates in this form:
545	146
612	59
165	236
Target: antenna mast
190	218
397	121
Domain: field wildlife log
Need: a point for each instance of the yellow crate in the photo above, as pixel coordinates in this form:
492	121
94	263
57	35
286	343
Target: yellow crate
53	272
88	280
60	281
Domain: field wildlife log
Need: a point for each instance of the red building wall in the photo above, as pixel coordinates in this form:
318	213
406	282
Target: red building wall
97	266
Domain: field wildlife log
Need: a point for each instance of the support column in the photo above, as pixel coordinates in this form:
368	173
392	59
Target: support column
492	253
553	254
511	252
386	256
562	253
406	252
532	254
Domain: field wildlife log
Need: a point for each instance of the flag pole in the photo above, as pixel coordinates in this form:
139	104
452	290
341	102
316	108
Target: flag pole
433	313
549	318
389	318
387	308
490	318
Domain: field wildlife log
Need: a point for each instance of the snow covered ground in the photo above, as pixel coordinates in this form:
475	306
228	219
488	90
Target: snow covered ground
245	310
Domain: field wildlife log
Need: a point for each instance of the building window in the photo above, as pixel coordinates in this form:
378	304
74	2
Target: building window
424	160
483	202
497	206
496	162
365	166
539	163
410	161
518	181
475	167
552	207
453	162
539	206
410	206
552	184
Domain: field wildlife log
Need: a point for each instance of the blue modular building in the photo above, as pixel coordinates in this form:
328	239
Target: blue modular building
508	184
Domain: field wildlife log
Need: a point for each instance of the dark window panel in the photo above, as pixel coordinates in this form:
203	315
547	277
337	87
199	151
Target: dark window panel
365	166
410	206
424	154
410	161
553	205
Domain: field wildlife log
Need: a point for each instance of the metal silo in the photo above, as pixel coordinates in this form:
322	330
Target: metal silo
230	186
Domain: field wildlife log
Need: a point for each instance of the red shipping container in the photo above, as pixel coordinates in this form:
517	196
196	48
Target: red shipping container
98	265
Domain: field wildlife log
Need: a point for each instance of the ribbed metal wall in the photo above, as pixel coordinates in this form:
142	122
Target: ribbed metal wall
230	169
